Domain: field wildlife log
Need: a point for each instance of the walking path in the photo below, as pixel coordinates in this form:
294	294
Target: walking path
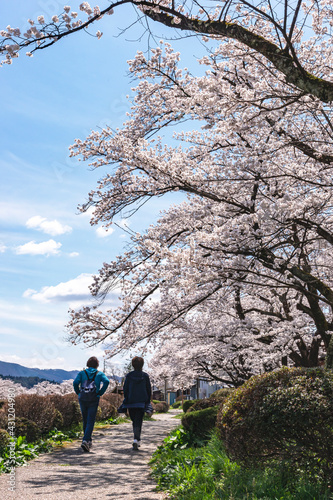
112	470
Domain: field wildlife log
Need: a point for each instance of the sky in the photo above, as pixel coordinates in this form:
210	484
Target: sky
48	251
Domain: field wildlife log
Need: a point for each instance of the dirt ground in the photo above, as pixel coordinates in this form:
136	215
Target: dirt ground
112	470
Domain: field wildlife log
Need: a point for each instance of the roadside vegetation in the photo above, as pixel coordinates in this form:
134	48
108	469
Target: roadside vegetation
270	439
190	469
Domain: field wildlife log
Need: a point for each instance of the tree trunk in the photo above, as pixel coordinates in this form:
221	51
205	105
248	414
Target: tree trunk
329	355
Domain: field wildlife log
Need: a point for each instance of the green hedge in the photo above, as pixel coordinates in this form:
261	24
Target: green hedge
201	404
176	404
4	439
286	415
187	403
222	393
200	423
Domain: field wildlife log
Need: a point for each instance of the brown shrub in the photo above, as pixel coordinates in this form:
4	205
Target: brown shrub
108	410
112	398
161	407
3	419
69	408
39	409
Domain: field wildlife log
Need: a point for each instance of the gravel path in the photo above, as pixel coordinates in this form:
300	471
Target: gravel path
112	470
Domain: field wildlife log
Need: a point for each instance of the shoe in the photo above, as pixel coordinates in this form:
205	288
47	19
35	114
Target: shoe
135	444
85	446
90	444
139	444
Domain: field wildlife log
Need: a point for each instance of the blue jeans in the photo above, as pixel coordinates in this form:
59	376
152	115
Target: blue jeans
88	411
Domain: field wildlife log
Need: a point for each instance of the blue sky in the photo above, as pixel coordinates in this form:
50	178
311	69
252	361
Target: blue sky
47	251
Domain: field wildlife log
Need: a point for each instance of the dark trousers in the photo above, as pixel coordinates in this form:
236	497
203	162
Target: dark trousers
88	411
136	415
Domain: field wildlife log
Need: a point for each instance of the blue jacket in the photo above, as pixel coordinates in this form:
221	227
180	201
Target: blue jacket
100	378
137	389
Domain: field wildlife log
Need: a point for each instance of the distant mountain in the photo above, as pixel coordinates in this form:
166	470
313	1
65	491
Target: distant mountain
17	370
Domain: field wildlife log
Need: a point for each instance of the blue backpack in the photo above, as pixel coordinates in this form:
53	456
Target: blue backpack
88	389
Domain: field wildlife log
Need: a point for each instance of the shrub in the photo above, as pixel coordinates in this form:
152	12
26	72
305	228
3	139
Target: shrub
187	403
39	409
161	407
4	440
98	414
200	422
58	421
112	398
69	409
201	404
286	414
108	410
176	404
222	393
27	428
3	419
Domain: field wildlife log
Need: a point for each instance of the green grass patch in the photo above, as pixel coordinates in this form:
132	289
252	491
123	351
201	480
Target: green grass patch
112	421
19	452
190	470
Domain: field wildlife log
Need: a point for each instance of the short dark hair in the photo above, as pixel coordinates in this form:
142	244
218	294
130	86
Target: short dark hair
137	363
92	362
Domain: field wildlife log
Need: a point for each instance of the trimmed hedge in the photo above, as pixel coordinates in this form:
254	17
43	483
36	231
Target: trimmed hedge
286	414
201	404
161	406
222	393
187	403
199	423
176	404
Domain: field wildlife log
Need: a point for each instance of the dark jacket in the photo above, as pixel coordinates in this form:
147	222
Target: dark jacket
137	389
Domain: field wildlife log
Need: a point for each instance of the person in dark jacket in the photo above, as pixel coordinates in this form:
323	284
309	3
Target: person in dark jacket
90	385
137	394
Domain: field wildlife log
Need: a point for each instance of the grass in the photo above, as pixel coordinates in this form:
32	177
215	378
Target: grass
19	452
202	471
111	421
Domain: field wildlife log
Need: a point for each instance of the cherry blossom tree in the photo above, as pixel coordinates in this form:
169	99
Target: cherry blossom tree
246	259
274	29
239	275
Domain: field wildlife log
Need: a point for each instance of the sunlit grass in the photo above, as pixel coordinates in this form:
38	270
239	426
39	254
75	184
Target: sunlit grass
206	473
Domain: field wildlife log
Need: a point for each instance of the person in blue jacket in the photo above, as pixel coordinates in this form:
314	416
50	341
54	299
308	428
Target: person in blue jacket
137	394
89	384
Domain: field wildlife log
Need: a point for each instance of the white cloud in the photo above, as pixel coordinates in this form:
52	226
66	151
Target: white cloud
2	248
52	227
49	247
76	289
124	223
103	232
74	254
74	292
